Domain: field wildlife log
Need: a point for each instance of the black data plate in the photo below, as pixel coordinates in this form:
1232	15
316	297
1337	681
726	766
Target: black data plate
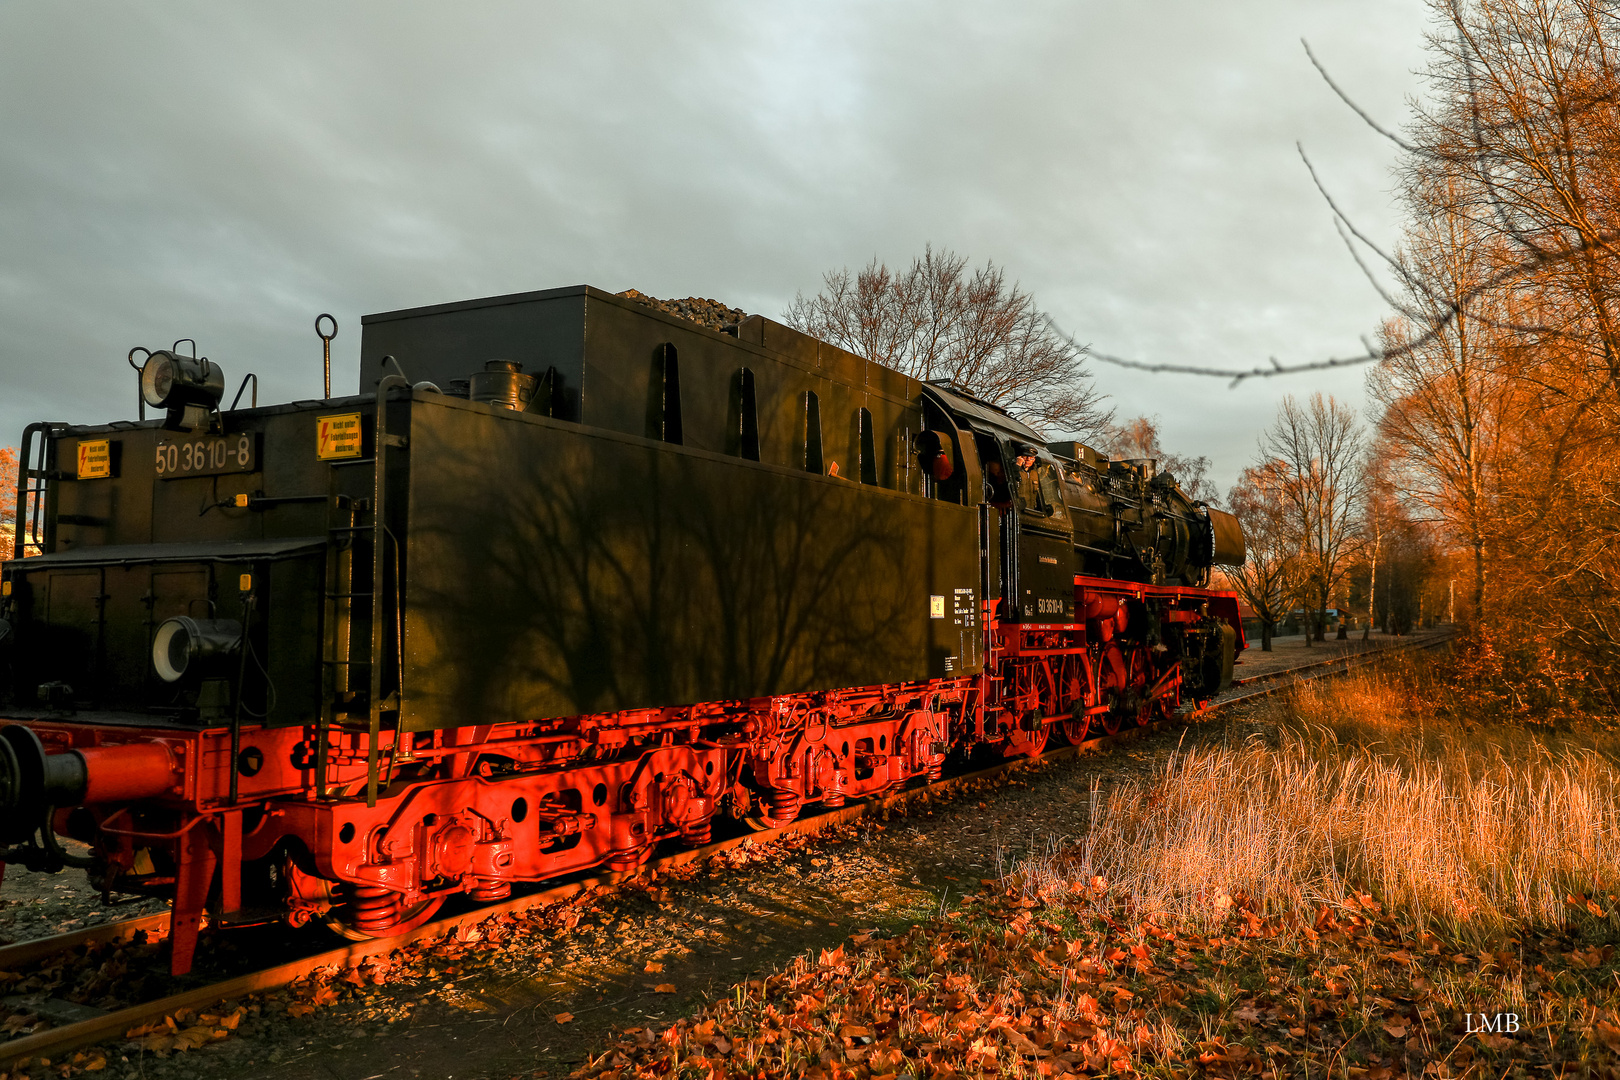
207	455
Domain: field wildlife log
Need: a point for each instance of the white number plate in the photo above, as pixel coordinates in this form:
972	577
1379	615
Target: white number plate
209	455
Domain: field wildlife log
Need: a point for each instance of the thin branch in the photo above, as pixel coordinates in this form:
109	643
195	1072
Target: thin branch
1357	109
1431	330
1340	214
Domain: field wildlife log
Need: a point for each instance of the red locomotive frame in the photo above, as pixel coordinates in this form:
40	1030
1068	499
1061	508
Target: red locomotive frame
477	809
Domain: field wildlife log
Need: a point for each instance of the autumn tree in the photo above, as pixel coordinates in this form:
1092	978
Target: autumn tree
1512	179
1445	390
8	501
936	320
1139	438
1269	579
1317	449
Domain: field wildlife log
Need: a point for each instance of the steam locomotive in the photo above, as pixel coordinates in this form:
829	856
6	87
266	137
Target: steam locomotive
588	579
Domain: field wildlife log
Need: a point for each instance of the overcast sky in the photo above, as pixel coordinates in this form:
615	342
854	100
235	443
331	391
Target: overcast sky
226	171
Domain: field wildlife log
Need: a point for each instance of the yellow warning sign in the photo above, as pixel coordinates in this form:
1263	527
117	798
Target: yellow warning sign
337	436
95	459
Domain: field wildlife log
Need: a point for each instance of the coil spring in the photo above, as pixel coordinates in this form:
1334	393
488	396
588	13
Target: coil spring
490	889
373	908
783	805
697	833
627	860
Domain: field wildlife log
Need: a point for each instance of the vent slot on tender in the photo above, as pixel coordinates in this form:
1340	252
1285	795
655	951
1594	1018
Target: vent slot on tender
664	395
812	433
742	427
863	421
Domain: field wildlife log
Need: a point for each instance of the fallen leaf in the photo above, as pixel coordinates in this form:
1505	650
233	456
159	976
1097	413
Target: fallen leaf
664	988
563	1017
652	968
1396	1030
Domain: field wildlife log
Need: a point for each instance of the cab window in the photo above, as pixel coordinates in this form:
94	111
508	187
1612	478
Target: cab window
997	483
1040	489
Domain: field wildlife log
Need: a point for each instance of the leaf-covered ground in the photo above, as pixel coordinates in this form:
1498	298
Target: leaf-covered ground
1044	983
1218	916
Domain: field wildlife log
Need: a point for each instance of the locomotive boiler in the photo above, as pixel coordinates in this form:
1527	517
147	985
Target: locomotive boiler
565	578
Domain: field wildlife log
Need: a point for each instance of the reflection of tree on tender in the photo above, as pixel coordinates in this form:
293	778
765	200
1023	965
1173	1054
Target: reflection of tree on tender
570	580
807	578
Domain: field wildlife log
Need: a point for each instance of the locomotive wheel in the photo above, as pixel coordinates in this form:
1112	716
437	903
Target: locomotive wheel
760	823
1114	686
1147	709
410	919
625	861
777	808
1077	729
1023	701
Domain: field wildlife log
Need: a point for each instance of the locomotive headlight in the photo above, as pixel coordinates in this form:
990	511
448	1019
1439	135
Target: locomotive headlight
185	645
172	381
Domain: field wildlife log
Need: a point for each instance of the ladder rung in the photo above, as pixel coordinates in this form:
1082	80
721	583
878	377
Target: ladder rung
356	461
346	595
347	663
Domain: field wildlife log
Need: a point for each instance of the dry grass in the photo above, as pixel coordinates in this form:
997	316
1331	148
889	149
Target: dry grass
1355	786
1234	934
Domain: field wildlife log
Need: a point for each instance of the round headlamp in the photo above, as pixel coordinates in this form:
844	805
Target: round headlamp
171	381
185	645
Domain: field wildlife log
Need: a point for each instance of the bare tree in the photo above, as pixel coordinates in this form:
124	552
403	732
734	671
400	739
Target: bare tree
1524	116
1269	579
1139	438
1318	447
935	320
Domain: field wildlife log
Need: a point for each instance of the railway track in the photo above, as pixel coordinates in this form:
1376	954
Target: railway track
112	1026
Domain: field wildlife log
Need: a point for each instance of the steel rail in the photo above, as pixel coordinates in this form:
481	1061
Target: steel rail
17	955
112	1026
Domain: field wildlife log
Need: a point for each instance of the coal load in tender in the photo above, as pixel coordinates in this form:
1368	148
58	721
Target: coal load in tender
710	313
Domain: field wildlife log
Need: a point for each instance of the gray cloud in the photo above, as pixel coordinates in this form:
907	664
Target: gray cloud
226	171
